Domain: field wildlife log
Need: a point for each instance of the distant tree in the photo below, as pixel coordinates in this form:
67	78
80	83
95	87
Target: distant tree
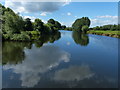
63	27
54	25
79	23
68	28
107	27
47	28
38	25
52	21
28	25
57	25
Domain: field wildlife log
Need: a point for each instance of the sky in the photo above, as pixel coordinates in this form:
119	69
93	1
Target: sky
100	13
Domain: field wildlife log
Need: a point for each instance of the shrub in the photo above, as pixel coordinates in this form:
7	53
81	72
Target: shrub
6	36
35	33
20	37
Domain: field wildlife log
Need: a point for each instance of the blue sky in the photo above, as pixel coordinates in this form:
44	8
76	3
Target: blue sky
100	13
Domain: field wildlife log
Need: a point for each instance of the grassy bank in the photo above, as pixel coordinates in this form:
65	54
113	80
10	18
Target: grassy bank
105	33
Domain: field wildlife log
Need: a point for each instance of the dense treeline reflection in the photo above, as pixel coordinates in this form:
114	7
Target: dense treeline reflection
47	38
80	38
14	53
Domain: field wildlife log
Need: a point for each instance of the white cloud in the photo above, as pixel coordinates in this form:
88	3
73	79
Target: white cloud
40	61
43	14
44	21
104	20
35	7
65	0
68	13
31	17
107	16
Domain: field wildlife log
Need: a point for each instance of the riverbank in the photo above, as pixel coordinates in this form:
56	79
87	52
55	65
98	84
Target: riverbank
115	34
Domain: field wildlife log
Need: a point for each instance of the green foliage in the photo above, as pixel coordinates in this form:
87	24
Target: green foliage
52	21
17	51
68	28
16	29
35	33
79	23
107	27
80	38
28	25
57	25
11	22
47	28
6	37
38	25
20	37
63	27
85	29
54	25
105	33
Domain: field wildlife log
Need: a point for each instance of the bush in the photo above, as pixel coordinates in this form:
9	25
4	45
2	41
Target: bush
35	33
47	28
6	36
20	37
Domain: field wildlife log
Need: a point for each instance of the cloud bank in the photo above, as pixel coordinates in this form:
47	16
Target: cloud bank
33	7
104	20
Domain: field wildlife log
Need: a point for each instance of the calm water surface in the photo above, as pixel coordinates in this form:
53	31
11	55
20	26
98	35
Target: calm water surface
66	59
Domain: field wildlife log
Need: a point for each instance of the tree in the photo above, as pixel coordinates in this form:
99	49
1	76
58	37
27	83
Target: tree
54	25
85	29
63	27
79	23
47	28
57	25
28	25
52	21
38	25
13	23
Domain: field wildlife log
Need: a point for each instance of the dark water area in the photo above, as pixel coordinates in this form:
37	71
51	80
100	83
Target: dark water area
64	60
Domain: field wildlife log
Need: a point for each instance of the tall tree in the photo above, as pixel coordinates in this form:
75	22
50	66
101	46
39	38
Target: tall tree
54	25
13	22
38	25
79	23
28	25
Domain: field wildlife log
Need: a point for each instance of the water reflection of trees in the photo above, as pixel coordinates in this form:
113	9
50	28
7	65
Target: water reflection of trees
47	38
13	52
80	38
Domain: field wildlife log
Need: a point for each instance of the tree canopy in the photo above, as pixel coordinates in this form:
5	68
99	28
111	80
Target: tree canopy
28	25
79	23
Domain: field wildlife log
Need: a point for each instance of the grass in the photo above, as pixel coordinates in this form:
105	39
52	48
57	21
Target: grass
105	33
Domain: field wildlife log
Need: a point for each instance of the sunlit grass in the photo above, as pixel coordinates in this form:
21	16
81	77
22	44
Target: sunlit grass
105	33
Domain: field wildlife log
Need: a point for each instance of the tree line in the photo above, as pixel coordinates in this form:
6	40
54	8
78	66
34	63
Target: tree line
107	27
14	27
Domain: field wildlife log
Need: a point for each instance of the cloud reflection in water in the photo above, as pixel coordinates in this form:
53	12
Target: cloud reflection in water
38	61
74	73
